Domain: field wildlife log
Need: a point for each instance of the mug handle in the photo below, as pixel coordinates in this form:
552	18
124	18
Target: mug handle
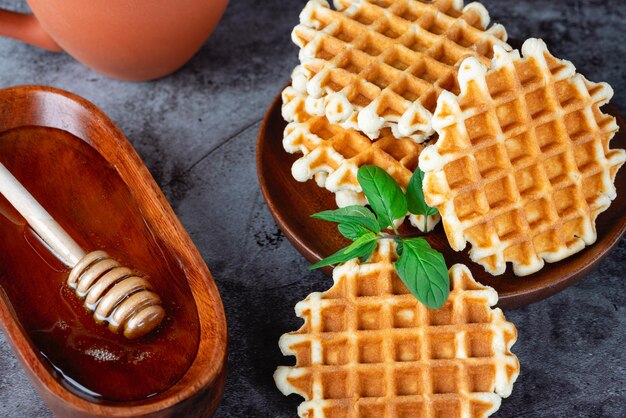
26	28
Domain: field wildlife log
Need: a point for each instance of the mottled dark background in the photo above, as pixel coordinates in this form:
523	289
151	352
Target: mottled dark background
196	130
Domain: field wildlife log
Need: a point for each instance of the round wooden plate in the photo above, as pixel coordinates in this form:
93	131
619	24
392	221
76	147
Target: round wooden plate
291	204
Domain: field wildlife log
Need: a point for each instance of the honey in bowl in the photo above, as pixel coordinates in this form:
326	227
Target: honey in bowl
85	195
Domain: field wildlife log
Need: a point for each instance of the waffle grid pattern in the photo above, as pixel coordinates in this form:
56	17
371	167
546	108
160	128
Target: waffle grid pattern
383	63
522	167
333	155
369	349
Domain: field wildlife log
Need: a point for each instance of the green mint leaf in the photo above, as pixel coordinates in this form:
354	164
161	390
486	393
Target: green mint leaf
352	231
415	195
383	194
423	270
360	242
355	214
341	256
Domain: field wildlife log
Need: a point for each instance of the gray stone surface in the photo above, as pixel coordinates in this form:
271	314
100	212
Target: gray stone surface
196	131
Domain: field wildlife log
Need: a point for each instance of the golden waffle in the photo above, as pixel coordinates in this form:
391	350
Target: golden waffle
368	348
522	167
383	63
332	155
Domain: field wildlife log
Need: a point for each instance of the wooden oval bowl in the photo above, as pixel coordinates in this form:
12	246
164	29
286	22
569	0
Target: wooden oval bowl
291	203
200	388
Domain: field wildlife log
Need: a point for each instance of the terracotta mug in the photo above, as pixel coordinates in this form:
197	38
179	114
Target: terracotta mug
124	39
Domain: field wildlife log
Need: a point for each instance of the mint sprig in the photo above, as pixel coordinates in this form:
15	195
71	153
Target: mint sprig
422	269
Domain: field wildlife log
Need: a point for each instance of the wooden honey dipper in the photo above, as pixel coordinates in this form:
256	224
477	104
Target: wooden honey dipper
115	294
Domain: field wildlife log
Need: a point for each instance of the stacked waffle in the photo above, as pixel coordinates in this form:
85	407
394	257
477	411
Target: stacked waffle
369	76
374	64
368	348
523	166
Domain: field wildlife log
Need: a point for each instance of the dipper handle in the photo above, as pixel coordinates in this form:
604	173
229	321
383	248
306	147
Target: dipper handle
60	243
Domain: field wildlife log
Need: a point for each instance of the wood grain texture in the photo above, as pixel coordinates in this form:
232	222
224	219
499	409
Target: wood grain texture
291	204
199	391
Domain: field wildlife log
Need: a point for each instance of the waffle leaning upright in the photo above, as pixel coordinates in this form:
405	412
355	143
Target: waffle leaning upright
371	64
523	165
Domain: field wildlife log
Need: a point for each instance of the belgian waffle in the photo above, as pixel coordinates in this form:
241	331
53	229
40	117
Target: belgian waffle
332	154
368	348
522	167
383	63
